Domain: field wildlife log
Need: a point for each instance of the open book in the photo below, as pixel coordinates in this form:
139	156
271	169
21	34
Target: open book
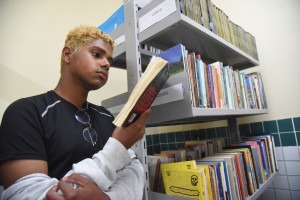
145	92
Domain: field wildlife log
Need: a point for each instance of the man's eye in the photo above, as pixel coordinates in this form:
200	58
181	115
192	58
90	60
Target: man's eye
97	55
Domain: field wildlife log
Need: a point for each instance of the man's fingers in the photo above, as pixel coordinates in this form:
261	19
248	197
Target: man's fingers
73	177
54	188
131	134
76	178
145	115
65	187
52	195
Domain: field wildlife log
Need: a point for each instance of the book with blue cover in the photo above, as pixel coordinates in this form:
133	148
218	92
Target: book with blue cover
113	21
257	163
261	157
219	182
175	58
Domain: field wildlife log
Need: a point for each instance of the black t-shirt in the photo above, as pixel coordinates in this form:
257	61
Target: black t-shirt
44	127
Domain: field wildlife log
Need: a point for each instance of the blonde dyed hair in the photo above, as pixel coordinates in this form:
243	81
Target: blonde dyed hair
83	35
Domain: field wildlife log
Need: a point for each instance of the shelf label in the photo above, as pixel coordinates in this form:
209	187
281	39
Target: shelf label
161	11
170	94
120	40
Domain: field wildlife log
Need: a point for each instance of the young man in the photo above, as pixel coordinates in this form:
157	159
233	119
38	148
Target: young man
41	137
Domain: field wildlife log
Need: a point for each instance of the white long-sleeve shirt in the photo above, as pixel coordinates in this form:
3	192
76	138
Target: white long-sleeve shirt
115	170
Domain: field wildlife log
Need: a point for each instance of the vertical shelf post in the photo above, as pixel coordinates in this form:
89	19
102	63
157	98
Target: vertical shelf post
133	56
233	130
134	73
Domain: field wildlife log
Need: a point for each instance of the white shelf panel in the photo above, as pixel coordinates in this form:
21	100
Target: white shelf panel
200	115
227	112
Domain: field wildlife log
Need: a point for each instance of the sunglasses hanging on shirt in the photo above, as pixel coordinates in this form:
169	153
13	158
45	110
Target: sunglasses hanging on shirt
89	133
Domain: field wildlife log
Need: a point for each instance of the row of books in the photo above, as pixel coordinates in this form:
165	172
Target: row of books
213	18
235	173
193	150
198	149
214	85
217	86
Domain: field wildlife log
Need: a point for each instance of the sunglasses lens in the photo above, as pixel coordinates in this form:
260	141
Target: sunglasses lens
82	117
90	135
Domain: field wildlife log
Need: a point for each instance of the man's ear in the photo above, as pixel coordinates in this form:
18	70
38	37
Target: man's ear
66	54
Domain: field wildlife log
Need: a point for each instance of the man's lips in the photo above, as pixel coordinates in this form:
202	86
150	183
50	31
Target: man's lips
103	74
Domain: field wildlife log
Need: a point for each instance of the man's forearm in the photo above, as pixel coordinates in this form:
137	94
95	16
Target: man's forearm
102	168
33	186
129	184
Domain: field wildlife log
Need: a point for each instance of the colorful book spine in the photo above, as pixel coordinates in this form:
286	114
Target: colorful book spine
211	87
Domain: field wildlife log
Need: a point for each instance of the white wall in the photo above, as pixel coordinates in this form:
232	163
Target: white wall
31	39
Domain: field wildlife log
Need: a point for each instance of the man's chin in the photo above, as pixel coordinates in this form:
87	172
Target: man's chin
96	87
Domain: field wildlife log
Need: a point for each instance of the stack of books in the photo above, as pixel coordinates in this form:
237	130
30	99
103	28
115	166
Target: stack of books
214	85
193	150
213	18
236	172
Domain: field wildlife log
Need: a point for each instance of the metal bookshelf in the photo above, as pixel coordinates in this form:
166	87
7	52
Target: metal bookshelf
169	31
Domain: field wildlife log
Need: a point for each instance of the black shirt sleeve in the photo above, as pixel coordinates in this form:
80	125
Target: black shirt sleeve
21	133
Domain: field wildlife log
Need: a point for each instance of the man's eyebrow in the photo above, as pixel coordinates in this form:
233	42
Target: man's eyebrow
110	59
